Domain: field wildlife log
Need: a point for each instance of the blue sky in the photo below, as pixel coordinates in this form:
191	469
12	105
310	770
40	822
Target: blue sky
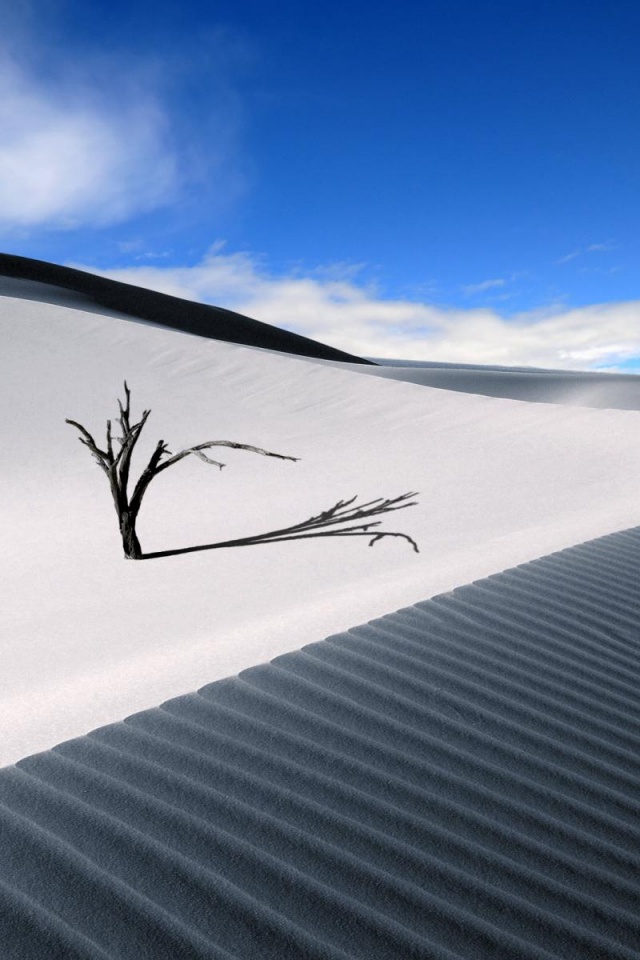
435	180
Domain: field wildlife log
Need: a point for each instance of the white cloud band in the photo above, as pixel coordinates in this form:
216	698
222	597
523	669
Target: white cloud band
352	317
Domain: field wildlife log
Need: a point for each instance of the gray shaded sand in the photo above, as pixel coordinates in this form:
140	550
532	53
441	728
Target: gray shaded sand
459	779
578	388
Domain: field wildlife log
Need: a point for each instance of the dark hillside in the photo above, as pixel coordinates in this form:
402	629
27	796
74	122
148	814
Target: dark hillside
187	315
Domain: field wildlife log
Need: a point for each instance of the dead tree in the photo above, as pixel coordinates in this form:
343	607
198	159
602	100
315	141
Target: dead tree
116	464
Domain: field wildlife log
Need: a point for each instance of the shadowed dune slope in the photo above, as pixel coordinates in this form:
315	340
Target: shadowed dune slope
458	779
167	311
579	388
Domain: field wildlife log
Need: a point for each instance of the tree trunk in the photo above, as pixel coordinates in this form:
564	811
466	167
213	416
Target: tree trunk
130	542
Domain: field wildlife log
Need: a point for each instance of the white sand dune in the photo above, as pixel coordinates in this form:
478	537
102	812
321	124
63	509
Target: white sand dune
88	638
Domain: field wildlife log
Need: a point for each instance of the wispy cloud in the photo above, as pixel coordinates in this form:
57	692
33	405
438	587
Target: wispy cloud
569	257
598	247
93	136
473	288
71	156
591	248
353	316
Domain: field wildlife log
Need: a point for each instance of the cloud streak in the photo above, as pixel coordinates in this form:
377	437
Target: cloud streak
352	316
473	288
592	248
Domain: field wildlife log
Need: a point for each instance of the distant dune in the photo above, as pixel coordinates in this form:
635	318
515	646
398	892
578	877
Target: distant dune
35	279
579	388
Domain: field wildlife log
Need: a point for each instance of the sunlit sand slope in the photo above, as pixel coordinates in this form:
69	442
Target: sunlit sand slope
455	780
88	638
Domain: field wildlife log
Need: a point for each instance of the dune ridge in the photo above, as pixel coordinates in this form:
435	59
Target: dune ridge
27	278
189	316
458	779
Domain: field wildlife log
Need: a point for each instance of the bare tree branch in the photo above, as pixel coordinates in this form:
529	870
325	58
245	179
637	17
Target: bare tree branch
123	419
117	466
123	459
205	459
219	443
88	439
147	475
109	443
100	456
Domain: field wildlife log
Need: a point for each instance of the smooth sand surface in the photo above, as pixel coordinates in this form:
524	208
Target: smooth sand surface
87	638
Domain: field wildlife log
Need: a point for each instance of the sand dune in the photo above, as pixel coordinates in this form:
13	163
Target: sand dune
49	282
500	482
616	391
456	779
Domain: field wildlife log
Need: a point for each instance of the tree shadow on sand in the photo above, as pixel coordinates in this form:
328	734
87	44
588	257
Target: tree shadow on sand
344	511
